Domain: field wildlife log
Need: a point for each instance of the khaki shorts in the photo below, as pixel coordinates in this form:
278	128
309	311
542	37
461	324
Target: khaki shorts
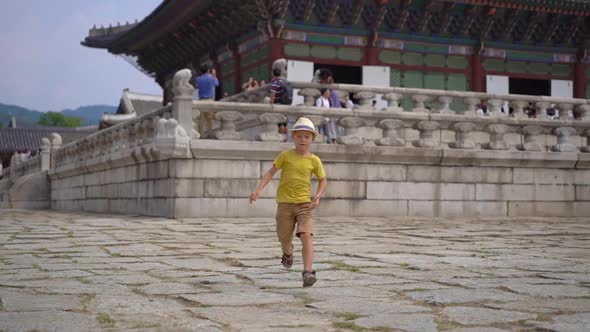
290	215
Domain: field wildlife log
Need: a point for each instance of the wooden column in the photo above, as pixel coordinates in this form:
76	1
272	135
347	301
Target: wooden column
477	76
276	49
371	56
237	67
580	81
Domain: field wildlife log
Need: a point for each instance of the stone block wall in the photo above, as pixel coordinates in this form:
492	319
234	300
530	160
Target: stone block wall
362	181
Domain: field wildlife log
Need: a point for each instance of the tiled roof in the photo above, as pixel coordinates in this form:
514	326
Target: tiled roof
15	139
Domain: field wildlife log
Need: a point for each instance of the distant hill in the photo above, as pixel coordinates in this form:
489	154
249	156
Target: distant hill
27	118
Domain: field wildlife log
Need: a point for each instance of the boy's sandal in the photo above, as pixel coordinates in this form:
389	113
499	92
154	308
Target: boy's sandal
287	260
309	278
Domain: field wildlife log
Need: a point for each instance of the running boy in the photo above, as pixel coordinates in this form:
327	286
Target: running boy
293	196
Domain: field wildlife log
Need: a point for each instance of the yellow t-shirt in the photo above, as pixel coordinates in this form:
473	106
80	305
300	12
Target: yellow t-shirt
296	170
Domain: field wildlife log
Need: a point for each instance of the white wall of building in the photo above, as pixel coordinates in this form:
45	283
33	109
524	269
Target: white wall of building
377	76
498	85
301	71
562	88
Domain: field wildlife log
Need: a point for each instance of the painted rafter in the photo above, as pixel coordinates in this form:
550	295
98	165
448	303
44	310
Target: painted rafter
490	17
573	30
332	11
357	11
426	15
404	14
513	17
471	14
377	21
308	10
533	24
447	17
552	28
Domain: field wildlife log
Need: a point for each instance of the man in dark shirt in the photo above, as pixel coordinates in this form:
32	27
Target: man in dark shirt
276	87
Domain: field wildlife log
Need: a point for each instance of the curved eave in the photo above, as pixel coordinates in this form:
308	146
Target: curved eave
168	16
568	7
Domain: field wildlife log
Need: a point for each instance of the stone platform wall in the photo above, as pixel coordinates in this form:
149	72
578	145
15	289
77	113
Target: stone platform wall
362	181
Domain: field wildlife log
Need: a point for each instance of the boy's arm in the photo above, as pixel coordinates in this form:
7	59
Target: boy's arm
265	180
322	183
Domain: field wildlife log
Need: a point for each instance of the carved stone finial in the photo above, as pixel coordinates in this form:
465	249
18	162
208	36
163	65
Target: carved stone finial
56	140
181	85
45	144
282	65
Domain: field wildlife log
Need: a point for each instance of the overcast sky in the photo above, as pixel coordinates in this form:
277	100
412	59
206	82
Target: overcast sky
44	67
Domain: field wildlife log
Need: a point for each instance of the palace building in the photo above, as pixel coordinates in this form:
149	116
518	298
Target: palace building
534	47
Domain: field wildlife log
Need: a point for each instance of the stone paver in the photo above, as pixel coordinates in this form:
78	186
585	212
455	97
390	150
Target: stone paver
89	272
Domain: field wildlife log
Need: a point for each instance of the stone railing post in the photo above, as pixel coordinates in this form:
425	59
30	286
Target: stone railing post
392	133
227	130
171	139
586	133
462	139
496	132
566	111
419	101
541	107
56	142
182	104
426	129
351	131
365	99
309	96
445	105
495	108
393	102
271	127
563	139
531	139
584	112
518	108
317	121
471	106
45	154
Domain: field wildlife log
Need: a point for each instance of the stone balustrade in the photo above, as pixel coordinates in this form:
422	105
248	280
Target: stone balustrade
431	129
133	141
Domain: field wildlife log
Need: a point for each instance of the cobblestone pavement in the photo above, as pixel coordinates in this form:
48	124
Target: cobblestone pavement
86	272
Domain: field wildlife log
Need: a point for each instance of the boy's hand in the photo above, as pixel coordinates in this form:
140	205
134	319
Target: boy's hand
315	202
254	196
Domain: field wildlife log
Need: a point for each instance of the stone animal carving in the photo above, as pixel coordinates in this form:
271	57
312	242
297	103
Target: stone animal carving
180	83
169	129
282	65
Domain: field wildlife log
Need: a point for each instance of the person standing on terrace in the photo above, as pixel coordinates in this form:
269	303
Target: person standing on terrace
206	84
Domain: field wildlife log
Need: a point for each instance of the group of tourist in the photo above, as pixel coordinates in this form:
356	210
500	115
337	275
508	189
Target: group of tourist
207	81
252	84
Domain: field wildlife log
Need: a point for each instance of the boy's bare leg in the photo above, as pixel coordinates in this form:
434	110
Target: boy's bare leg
287	247
307	251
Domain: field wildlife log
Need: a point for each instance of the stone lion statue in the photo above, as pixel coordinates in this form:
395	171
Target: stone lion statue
282	65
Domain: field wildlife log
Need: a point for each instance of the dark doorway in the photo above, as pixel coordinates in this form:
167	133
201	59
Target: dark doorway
525	86
343	74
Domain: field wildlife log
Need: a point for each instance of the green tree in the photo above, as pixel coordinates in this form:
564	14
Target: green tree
57	119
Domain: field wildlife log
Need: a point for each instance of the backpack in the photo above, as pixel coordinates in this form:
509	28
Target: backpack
286	97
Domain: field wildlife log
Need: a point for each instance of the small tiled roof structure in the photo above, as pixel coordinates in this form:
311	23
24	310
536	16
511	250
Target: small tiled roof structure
18	139
132	104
